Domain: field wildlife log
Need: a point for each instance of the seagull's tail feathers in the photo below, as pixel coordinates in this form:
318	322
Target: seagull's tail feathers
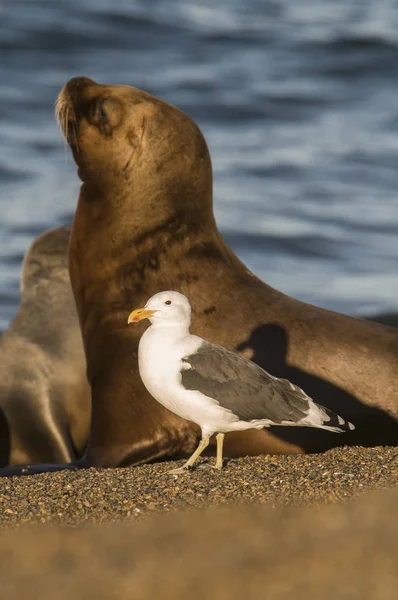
322	417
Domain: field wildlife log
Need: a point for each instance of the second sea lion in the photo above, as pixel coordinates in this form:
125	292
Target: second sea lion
44	392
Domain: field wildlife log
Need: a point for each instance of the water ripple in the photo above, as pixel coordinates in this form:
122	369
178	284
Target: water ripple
297	102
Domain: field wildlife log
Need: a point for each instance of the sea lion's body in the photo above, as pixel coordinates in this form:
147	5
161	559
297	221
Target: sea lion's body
44	393
144	223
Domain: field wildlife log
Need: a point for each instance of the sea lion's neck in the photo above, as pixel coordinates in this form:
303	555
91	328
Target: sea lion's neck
140	215
143	247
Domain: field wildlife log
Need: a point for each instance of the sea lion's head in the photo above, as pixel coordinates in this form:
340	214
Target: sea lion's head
124	138
46	260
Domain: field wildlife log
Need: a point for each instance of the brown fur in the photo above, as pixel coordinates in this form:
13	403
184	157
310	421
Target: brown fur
44	393
144	223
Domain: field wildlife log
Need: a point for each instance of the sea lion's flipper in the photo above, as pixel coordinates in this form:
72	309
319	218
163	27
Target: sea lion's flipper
35	469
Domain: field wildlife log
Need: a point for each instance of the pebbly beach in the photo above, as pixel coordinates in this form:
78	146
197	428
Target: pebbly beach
270	524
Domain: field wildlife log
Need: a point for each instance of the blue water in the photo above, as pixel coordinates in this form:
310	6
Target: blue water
298	102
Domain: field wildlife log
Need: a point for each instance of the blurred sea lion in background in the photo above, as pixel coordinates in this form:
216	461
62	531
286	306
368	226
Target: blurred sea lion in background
44	392
144	223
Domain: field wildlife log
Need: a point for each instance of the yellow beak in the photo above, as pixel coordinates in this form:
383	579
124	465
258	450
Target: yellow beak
139	314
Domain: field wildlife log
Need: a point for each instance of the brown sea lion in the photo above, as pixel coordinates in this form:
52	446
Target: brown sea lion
144	223
44	392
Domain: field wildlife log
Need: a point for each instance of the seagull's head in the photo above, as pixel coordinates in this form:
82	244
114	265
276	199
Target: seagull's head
165	307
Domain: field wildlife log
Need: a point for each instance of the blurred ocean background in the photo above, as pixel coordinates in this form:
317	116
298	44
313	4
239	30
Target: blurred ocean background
298	102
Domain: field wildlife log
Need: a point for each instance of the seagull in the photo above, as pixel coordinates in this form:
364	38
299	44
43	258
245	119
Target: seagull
218	389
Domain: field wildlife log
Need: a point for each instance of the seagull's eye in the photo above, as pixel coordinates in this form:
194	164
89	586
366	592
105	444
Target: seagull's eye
168	302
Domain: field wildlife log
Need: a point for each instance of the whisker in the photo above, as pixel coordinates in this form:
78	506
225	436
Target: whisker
64	125
69	128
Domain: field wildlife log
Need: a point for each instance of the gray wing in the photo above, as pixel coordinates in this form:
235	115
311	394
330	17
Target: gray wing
241	386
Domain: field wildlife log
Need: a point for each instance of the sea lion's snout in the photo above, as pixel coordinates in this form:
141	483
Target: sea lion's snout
70	94
76	84
65	106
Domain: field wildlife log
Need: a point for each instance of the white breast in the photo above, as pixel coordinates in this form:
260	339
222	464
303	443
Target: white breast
159	359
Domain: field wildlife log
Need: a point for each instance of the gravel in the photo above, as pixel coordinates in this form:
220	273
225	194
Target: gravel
300	531
95	496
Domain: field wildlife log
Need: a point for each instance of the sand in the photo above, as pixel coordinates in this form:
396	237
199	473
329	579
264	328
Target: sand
270	527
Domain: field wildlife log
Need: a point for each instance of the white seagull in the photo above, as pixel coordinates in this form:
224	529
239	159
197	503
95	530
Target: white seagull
218	389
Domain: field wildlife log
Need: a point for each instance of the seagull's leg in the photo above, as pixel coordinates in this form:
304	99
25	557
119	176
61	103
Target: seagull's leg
192	459
220	442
